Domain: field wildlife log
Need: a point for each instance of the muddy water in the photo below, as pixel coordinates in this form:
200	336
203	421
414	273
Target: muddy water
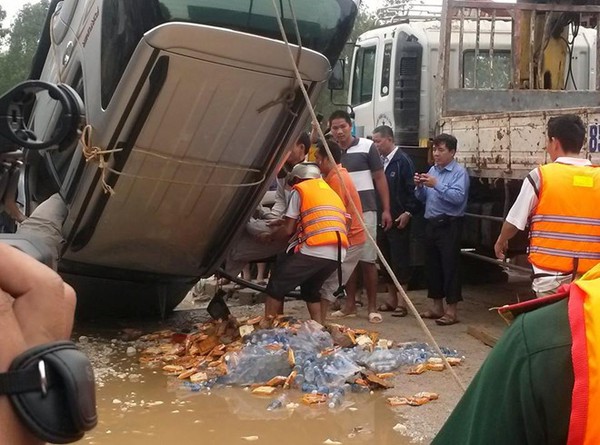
142	406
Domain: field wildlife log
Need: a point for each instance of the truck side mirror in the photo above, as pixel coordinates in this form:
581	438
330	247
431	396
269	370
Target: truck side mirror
337	77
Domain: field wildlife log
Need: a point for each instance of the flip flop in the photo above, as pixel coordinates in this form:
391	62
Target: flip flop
446	320
375	317
400	312
340	314
431	315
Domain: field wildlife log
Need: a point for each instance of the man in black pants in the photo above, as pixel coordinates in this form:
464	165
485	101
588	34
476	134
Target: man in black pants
395	243
444	189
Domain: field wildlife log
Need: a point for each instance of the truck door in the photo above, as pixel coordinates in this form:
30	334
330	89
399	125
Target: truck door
383	102
362	86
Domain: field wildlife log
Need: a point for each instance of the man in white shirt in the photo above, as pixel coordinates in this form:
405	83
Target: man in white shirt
565	138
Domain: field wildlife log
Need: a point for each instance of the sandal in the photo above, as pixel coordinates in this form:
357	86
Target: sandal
341	314
446	320
431	315
400	312
375	317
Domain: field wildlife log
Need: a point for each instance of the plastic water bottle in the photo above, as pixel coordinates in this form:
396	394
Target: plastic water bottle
309	374
307	387
336	398
277	403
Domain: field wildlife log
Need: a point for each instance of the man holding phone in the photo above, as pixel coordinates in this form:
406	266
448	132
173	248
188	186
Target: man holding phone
444	190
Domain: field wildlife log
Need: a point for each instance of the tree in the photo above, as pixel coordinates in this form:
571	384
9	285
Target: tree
3	31
21	40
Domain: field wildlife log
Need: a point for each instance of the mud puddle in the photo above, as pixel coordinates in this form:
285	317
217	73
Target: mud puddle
230	416
138	405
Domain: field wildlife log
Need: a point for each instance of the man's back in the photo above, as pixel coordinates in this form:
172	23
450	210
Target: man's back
356	234
522	393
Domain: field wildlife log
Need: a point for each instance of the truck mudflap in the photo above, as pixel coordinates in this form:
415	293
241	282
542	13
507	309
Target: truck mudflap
510	145
225	111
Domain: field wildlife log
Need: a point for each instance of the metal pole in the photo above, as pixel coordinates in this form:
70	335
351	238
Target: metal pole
477	42
444	65
461	35
487	217
532	71
487	259
492	37
516	53
598	52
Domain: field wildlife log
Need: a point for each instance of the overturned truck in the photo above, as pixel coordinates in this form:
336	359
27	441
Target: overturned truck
187	108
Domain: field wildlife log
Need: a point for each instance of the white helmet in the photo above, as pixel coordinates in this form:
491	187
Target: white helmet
305	170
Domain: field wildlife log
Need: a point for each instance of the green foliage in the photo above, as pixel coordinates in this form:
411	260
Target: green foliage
20	43
366	20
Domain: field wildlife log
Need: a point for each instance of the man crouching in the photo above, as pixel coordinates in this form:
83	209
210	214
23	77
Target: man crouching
316	217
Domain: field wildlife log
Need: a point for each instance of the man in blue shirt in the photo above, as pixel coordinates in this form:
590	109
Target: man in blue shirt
444	189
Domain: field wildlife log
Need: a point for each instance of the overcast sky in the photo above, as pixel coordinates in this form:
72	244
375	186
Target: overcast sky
13	6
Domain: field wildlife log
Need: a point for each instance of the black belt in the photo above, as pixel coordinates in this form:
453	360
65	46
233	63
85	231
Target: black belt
442	220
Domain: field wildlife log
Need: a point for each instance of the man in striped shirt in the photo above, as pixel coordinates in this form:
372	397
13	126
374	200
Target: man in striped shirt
361	158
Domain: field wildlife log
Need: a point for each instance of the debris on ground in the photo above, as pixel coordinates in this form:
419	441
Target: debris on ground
417	400
434	364
269	355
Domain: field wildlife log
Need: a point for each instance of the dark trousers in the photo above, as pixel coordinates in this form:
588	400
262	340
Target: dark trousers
395	246
442	248
295	269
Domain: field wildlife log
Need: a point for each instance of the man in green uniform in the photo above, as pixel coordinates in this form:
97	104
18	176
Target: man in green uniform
522	393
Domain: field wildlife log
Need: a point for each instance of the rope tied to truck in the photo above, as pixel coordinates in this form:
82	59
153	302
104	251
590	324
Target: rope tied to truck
96	154
370	239
92	153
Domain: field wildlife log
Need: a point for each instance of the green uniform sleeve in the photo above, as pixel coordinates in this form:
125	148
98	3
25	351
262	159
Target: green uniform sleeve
522	393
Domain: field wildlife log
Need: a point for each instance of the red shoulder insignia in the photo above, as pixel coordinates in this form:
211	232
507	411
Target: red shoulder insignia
510	312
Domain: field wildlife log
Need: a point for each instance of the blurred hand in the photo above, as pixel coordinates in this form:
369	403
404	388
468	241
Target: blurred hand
417	179
428	180
386	220
36	305
500	249
403	220
275	222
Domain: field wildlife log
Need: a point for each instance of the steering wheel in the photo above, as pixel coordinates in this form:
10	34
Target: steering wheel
16	105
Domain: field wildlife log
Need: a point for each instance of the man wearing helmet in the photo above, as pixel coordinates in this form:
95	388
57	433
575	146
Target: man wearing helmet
317	219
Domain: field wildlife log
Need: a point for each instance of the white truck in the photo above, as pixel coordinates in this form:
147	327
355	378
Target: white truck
489	73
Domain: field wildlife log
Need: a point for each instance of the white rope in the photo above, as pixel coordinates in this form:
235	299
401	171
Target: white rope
409	303
93	153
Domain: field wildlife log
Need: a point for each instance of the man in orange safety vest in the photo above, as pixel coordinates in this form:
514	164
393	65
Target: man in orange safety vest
559	201
317	219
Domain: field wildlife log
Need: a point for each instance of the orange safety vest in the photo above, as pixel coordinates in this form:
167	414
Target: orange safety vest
322	216
565	228
584	320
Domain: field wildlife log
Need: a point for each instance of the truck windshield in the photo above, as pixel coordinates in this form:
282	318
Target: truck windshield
322	25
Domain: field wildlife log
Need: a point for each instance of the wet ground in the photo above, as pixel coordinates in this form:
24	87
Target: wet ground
138	405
